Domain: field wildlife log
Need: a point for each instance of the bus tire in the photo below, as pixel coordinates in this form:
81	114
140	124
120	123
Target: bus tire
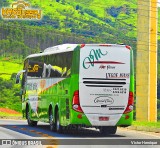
58	127
108	130
51	120
29	121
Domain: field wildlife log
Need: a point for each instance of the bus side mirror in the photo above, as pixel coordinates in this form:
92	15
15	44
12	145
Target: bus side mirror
18	76
17	79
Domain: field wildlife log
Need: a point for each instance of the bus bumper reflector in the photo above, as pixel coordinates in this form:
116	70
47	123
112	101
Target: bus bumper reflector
126	117
79	116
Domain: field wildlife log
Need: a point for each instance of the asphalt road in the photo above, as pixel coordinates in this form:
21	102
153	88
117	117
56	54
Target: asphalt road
19	133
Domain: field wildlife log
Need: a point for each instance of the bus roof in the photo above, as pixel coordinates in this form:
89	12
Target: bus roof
68	47
55	49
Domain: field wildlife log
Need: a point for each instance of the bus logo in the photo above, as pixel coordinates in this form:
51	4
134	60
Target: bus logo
104	100
93	57
20	10
35	68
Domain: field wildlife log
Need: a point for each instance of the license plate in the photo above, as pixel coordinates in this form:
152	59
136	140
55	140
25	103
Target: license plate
103	118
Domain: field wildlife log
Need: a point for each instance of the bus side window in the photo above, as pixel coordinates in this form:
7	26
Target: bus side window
67	63
68	72
57	65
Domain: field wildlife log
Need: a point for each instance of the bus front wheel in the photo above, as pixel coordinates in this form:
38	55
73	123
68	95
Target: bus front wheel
30	122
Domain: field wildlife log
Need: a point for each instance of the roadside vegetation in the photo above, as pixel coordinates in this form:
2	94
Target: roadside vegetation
148	124
9	95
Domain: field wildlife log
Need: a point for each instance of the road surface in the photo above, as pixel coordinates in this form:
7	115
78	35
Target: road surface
19	133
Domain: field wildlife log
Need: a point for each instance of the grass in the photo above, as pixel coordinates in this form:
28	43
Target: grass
146	124
9	67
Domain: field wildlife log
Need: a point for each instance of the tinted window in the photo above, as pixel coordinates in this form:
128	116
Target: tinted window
55	65
58	65
35	67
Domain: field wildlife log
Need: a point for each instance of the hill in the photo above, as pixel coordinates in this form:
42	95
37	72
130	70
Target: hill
112	21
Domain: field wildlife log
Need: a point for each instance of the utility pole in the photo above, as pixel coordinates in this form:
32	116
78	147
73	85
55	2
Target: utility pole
146	61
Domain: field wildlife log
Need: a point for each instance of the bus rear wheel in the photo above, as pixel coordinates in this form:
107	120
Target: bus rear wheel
58	127
51	121
30	122
108	130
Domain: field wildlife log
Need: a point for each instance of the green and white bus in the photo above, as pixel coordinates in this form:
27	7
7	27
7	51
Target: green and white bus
79	84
